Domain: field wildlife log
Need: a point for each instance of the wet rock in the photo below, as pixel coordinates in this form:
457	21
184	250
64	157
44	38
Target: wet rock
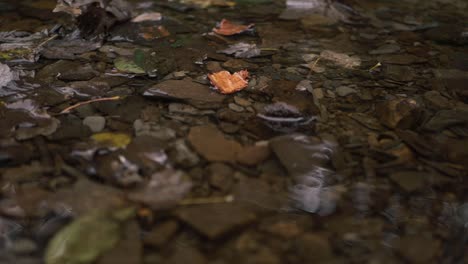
402	113
160	235
284	117
195	94
401	59
444	119
253	155
95	123
229	128
85	196
186	254
209	142
68	49
418	248
454	81
345	91
385	49
154	130
182	155
221	176
178	108
163	190
313	248
399	73
216	220
128	249
410	181
242	101
236	108
24	247
435	100
237	65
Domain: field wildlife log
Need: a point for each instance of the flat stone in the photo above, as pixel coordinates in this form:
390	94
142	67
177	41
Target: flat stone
385	49
95	123
196	94
401	59
128	250
209	142
182	155
236	108
397	113
410	181
216	220
153	129
237	65
221	176
399	73
161	234
253	155
314	248
242	101
418	249
345	91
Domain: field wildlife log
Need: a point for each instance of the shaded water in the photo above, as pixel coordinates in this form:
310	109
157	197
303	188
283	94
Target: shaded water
348	143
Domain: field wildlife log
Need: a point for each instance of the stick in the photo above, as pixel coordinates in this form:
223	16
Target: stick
68	109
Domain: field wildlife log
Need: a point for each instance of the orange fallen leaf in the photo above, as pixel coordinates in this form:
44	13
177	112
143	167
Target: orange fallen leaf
227	28
228	83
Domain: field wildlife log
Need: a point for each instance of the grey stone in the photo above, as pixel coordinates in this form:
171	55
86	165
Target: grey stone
345	91
95	123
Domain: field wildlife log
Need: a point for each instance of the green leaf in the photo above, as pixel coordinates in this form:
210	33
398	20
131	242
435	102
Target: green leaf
87	238
128	66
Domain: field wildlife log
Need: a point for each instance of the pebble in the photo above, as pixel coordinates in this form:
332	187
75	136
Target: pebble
216	220
95	123
242	101
236	108
211	143
345	91
161	234
182	155
221	176
418	249
153	129
385	49
24	247
253	155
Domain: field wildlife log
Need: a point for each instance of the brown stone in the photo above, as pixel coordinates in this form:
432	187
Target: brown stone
253	155
209	142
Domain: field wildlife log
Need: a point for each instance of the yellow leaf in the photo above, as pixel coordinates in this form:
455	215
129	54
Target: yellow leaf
117	140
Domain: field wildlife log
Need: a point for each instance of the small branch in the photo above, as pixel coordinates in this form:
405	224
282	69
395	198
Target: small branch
68	109
207	200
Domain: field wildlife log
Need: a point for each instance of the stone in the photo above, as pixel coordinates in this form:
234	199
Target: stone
128	249
385	49
410	181
242	101
253	155
210	143
314	248
221	176
400	112
418	249
435	100
345	91
213	66
95	123
193	93
24	247
236	108
153	129
216	220
178	108
182	155
237	65
185	254
161	233
399	73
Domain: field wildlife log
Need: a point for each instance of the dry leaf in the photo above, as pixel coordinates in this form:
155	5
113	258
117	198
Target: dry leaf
228	83
227	28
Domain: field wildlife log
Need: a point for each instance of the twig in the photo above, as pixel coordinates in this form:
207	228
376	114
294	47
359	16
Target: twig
68	109
375	66
47	40
207	200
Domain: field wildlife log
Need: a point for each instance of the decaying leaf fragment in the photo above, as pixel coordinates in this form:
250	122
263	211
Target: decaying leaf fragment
228	28
227	83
